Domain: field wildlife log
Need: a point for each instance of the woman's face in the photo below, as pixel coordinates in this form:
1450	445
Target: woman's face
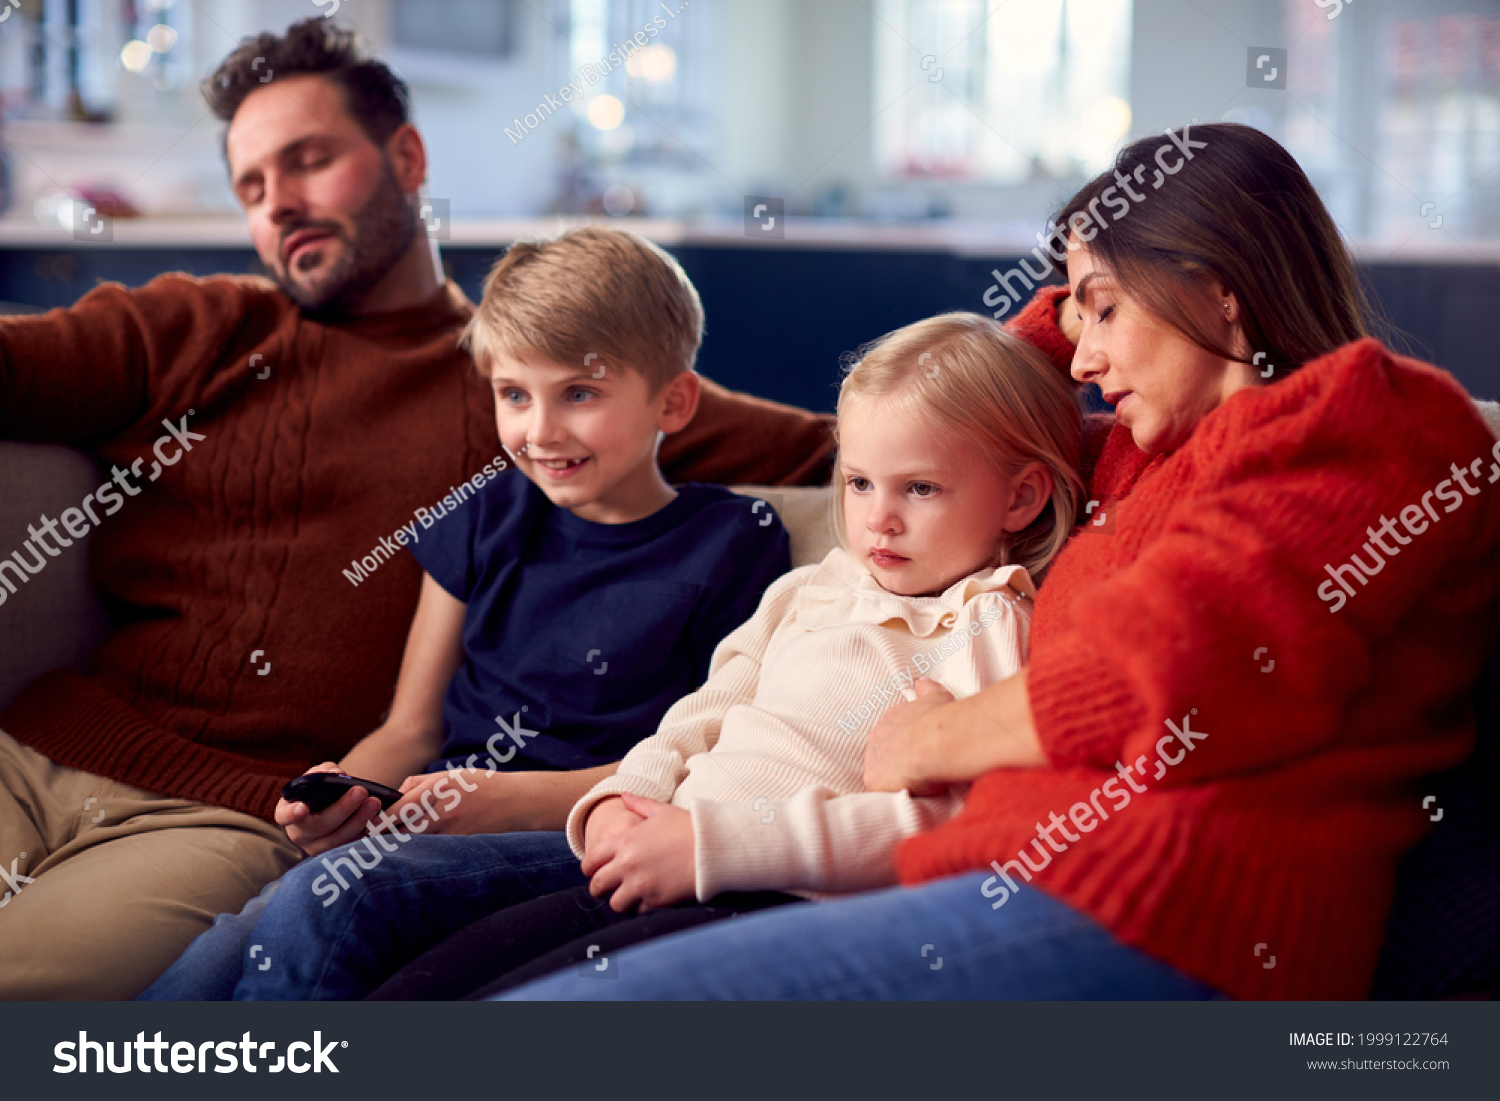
1160	383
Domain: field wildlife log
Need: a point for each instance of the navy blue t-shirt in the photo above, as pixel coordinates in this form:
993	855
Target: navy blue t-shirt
579	636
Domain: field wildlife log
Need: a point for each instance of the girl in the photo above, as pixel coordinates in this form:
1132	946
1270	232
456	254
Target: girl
958	457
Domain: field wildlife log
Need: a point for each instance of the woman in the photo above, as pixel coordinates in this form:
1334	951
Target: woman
1201	784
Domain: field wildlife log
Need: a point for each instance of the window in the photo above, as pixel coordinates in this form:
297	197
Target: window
478	27
1397	118
979	90
653	107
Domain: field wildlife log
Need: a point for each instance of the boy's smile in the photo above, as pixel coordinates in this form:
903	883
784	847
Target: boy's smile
558	470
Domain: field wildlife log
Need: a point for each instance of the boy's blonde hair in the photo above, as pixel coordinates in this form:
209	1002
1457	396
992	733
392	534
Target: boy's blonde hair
594	296
967	380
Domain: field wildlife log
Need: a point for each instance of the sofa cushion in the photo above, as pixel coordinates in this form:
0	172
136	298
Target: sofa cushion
1443	936
809	515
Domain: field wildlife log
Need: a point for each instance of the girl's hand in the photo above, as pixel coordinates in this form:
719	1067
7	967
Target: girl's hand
897	750
608	818
336	824
651	864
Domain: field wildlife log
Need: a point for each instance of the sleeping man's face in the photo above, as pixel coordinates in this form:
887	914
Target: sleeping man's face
327	215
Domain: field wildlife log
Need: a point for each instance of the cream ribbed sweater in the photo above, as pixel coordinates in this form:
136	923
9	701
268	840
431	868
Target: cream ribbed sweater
768	756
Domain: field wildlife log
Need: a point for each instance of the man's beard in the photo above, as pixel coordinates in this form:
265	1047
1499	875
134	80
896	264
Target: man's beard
383	231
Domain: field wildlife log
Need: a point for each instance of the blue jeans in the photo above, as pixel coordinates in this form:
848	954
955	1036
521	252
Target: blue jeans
940	941
338	925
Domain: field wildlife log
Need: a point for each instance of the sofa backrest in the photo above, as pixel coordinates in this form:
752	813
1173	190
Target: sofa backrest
809	515
55	619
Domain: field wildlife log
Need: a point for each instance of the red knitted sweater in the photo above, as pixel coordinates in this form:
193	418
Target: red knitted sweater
241	544
1262	861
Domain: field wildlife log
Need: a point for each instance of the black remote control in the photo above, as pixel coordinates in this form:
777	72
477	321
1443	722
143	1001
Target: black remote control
320	790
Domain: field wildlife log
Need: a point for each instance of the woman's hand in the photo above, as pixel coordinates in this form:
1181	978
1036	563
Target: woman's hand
925	746
897	749
336	824
651	864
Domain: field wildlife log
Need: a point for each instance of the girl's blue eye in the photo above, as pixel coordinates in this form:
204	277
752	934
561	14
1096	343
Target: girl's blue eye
512	396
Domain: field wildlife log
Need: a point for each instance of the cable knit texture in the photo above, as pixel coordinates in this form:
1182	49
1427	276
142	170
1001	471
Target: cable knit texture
240	545
768	756
1278	835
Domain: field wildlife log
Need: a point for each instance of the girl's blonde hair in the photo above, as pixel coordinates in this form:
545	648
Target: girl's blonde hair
966	379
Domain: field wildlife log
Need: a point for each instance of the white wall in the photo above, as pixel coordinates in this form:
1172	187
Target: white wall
1189	59
790	83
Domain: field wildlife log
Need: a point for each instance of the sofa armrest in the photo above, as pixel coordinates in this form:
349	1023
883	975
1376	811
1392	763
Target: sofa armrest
52	618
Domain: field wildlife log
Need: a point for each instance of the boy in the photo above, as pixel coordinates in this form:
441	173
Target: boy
561	614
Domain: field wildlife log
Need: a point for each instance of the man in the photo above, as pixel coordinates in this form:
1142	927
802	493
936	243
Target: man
256	440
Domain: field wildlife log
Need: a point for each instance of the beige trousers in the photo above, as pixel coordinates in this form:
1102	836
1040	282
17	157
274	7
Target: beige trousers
103	885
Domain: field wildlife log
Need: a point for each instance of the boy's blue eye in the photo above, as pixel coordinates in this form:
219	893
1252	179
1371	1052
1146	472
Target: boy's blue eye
580	394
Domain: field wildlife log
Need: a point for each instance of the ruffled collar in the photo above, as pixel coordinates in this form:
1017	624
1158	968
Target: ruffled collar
841	592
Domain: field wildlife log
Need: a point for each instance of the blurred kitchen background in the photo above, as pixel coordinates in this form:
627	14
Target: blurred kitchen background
906	147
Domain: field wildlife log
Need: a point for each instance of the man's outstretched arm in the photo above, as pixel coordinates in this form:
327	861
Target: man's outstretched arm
90	371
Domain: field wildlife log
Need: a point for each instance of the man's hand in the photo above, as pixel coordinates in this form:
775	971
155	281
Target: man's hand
651	864
1069	321
334	825
609	817
897	750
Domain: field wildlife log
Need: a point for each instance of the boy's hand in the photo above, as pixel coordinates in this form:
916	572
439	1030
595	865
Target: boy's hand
334	825
651	864
461	801
609	817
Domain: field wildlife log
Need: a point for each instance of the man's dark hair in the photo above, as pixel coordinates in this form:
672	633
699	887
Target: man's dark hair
377	98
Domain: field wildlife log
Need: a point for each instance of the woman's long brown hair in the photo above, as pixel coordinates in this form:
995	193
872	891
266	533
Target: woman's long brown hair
1240	210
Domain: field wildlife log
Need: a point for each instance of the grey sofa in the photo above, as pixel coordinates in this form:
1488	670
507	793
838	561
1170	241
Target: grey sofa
1443	938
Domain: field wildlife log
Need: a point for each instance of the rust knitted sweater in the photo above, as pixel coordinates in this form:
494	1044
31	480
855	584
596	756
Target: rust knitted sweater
1236	755
240	545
